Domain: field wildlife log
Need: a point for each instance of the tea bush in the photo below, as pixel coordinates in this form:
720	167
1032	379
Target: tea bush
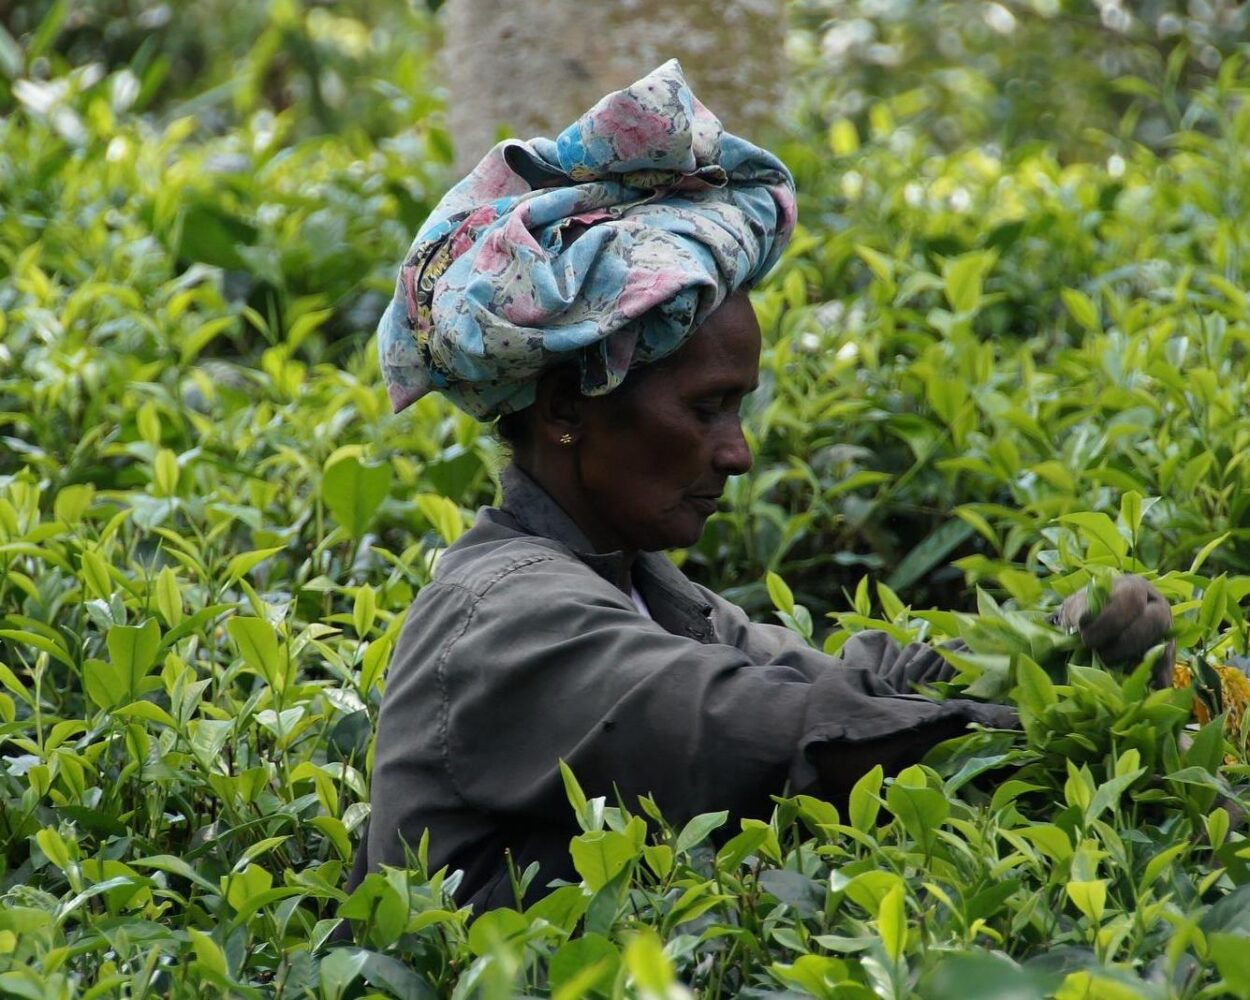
992	376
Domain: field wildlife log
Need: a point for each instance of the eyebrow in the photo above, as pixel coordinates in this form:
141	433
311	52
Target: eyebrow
724	389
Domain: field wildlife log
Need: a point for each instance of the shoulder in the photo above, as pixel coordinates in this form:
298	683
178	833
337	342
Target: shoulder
496	559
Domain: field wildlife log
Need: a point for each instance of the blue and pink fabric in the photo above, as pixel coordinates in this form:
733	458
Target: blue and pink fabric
608	247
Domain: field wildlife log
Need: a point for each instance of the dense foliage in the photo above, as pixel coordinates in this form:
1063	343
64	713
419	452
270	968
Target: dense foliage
994	373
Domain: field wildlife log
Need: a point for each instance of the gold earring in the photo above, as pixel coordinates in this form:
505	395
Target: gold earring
566	438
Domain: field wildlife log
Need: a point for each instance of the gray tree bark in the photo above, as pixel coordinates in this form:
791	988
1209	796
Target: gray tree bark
530	67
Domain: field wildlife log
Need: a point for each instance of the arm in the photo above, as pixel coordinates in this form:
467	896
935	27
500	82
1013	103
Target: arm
902	669
555	663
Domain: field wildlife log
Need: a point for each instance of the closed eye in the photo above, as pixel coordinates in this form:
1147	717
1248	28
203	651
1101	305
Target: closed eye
707	411
708	408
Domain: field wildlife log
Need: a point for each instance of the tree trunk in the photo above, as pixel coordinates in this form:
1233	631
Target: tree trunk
530	67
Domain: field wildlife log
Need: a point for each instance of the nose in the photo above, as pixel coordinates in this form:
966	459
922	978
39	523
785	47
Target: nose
732	455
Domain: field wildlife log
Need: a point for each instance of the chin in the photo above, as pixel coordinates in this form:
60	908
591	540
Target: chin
678	535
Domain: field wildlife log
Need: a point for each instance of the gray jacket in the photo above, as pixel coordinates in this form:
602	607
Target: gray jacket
527	649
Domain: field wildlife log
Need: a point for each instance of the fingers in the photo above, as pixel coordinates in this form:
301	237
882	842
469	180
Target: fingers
1073	610
1127	601
1135	618
1163	674
1138	636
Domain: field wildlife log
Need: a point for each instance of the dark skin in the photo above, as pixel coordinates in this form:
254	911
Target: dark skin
645	465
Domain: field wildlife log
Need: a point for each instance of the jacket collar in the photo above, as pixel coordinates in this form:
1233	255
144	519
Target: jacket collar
535	510
674	602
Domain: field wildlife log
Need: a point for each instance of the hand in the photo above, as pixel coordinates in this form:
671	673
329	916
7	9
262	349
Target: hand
1135	618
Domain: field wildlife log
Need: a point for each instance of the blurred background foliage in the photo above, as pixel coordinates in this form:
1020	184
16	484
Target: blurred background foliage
1072	73
1007	349
1064	71
362	64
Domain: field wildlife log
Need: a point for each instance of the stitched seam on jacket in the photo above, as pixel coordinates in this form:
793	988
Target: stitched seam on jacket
470	578
444	720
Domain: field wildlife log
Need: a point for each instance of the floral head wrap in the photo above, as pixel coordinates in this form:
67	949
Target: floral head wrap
669	214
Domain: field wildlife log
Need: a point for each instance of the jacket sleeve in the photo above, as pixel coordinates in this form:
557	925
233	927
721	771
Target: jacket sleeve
902	668
530	679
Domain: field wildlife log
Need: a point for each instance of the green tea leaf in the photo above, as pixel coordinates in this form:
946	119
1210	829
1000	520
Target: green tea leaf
921	560
1158	864
239	888
380	906
364	610
962	279
1212	611
739	847
1099	532
573	791
1090	897
95	574
443	515
133	649
12	61
257	643
245	562
72	502
878	263
816	975
208	953
339	969
865	802
892	922
1232	958
698	830
586	962
1049	839
106	684
354	491
651	970
169	597
868	890
1082	308
600	855
165	473
53	847
1205	552
43	643
1034	691
843	137
921	811
779	593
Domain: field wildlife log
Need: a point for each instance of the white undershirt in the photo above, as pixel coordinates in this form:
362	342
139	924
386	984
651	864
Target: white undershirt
639	603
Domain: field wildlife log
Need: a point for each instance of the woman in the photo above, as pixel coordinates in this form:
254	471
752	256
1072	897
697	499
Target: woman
590	290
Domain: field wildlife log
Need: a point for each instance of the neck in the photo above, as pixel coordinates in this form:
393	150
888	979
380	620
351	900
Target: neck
557	476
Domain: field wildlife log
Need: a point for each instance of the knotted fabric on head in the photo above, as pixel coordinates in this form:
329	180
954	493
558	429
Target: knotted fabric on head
607	247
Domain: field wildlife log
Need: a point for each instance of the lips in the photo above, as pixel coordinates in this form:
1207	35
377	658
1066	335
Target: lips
705	505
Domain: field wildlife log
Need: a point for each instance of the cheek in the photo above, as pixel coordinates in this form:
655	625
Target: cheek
644	466
624	472
663	455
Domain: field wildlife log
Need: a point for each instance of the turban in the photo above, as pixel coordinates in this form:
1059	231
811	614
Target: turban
605	248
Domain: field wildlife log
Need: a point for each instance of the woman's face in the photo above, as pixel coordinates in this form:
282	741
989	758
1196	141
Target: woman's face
654	455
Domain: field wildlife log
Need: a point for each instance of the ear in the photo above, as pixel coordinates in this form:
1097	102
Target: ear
559	406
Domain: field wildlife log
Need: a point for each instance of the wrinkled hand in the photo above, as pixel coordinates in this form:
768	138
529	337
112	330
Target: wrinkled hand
1135	619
